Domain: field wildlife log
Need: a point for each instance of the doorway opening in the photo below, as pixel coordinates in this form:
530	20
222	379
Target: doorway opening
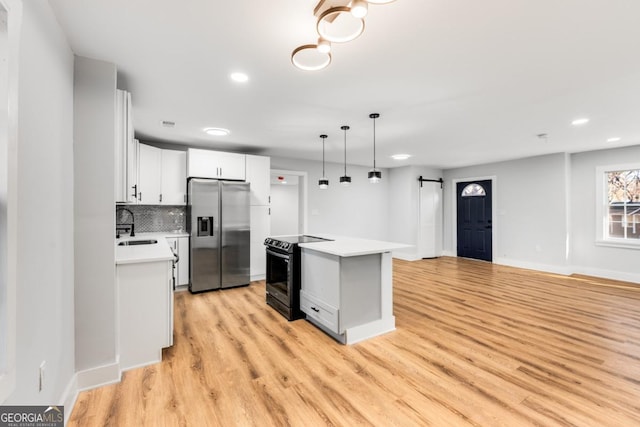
474	219
288	202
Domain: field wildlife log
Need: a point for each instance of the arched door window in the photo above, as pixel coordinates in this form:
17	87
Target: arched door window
473	190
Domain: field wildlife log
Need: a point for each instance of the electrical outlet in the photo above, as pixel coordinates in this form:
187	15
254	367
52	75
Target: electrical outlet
41	376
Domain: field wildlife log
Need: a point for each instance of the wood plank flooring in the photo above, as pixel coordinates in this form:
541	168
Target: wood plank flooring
476	345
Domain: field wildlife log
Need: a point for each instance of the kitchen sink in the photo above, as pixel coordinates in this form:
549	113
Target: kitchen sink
138	242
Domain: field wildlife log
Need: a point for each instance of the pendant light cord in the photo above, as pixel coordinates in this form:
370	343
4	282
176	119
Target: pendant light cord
345	151
323	175
374	143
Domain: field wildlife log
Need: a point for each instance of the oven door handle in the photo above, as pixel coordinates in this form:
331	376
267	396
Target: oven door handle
279	255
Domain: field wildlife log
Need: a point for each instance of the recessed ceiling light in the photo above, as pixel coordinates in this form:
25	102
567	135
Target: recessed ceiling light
580	122
217	131
614	139
400	156
239	77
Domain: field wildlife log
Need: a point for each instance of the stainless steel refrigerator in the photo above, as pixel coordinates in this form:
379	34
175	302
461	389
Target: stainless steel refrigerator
218	213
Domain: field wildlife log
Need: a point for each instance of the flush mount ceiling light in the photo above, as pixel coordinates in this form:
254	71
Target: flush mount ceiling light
614	139
239	77
374	174
580	122
338	21
217	131
323	182
309	58
345	179
338	25
400	156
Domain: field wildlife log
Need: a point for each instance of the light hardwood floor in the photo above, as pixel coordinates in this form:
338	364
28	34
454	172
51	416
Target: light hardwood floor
476	344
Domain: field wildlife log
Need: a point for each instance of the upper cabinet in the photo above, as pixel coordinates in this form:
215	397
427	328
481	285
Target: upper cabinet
149	174
259	175
215	164
173	171
162	176
126	151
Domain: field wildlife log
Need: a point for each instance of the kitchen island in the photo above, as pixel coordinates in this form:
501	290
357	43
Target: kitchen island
347	287
144	281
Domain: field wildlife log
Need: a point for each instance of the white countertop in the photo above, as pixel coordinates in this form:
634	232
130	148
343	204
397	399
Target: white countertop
146	253
351	246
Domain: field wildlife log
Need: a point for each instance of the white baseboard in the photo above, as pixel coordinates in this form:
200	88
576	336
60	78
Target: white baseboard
449	253
256	277
99	376
370	330
608	274
406	256
409	256
548	268
69	396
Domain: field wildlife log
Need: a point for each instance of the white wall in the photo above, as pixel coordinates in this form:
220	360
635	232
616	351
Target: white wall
360	210
404	206
530	227
284	208
44	271
94	134
616	263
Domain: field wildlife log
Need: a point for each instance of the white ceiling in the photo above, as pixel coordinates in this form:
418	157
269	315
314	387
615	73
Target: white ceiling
456	82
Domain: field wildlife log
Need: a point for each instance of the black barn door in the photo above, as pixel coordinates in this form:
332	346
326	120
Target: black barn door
474	220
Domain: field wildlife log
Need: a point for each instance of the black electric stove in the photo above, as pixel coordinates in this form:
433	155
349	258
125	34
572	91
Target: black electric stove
283	273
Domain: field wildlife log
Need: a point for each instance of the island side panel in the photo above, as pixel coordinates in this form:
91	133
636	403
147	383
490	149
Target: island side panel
386	285
321	276
360	292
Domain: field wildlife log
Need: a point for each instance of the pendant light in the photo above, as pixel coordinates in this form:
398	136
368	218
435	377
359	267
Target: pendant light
323	182
345	180
374	174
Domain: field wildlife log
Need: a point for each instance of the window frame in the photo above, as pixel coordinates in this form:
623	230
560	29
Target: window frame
602	208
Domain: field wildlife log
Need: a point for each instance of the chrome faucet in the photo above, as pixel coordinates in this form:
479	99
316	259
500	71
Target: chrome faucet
121	226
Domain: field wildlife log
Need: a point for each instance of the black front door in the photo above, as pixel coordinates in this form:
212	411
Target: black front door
474	220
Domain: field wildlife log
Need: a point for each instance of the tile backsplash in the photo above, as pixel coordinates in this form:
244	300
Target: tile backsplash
153	218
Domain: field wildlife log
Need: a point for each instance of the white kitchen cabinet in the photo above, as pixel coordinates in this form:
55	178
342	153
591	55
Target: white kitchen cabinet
260	229
180	245
258	172
215	164
162	176
173	177
145	312
149	174
345	295
126	150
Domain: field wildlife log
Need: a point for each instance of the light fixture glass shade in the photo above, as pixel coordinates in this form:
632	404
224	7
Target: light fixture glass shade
359	8
323	183
345	180
323	46
217	131
308	58
375	176
338	25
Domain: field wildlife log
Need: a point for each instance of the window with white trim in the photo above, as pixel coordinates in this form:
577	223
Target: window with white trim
619	213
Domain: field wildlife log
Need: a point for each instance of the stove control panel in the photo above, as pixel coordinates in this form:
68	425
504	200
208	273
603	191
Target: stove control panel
279	244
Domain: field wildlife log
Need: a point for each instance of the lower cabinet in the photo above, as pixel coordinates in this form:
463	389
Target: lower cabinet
180	246
145	312
339	293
